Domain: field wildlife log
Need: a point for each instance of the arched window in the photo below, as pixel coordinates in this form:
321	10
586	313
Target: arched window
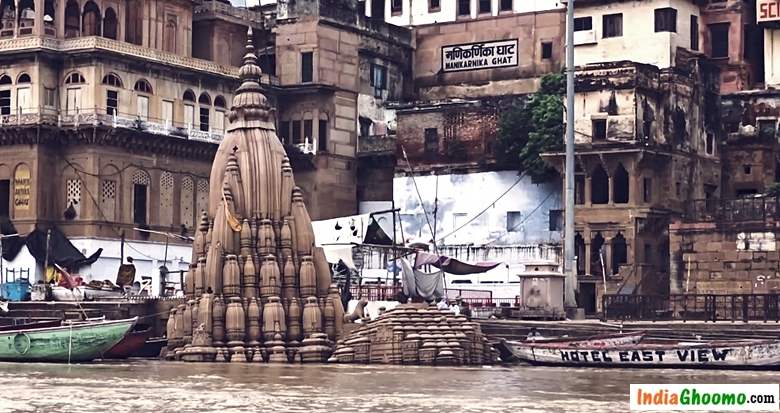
5	80
23	78
187	200
110	24
619	252
72	19
7	18
219	102
26	16
109	192
170	36
72	199
134	22
166	199
597	255
599	186
620	185
189	108
74	78
189	96
219	114
143	86
90	22
205	111
579	251
112	79
24	93
5	95
141	182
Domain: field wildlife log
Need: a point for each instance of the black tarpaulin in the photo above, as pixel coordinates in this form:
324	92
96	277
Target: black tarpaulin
61	250
376	235
11	245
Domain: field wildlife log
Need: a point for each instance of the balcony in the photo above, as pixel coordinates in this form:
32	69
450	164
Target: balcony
240	14
376	145
102	44
99	117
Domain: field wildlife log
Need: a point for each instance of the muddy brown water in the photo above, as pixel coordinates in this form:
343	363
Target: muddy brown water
154	386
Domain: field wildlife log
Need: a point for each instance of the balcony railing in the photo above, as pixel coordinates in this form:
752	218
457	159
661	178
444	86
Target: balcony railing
225	9
757	208
78	44
99	116
706	307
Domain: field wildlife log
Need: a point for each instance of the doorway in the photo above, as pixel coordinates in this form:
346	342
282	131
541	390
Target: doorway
586	298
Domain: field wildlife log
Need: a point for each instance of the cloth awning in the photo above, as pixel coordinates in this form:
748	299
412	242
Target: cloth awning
61	250
452	265
418	284
353	229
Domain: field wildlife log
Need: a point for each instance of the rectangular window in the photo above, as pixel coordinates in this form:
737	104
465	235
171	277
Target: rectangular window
189	116
583	23
547	50
73	101
613	25
514	219
556	220
599	130
5	197
365	126
308	130
23	103
142	107
322	139
167	112
396	6
766	128
484	6
505	5
647	189
5	102
434	5
112	102
219	121
719	37
431	141
284	132
694	32
307	67
579	189
296	132
49	98
464	7
666	20
378	76
204	119
458	220
139	203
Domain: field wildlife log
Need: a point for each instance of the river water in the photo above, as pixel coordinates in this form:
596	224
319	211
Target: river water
155	386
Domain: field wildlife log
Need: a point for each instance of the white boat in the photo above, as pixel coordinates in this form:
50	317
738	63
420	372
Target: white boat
509	349
726	354
84	293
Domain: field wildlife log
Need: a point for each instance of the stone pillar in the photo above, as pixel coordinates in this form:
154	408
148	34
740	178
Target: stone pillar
610	180
39	11
587	191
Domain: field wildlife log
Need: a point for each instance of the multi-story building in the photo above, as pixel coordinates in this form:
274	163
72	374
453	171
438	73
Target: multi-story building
112	112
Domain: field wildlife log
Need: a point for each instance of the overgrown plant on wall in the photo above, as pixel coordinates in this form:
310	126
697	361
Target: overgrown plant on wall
532	127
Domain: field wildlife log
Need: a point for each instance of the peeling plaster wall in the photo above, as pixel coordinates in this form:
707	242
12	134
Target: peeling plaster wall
639	42
463	196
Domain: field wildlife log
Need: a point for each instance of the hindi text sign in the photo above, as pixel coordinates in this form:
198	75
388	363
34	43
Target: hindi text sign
475	56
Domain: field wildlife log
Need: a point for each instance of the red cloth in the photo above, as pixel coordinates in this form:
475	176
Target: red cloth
69	281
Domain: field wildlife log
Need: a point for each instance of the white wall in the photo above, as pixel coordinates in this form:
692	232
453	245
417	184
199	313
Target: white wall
22	262
415	12
639	43
772	57
461	197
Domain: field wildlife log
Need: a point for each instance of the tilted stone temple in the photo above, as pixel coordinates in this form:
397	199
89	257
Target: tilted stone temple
258	289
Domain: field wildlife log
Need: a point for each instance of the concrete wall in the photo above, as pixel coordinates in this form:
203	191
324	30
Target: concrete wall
461	197
638	29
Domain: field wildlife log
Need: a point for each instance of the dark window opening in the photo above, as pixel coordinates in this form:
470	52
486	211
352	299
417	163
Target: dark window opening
579	189
583	23
619	252
505	5
547	50
5	197
666	20
678	188
599	130
284	132
620	185
647	189
777	171
464	7
514	220
139	204
434	5
396	6
307	67
378	10
431	142
709	144
484	6
112	102
378	77
365	126
613	25
308	130
694	33
204	119
719	39
767	128
296	132
579	251
746	192
747	169
599	186
5	102
556	220
268	64
648	253
322	139
596	245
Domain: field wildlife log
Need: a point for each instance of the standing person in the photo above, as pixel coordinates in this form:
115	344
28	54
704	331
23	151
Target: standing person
442	304
455	308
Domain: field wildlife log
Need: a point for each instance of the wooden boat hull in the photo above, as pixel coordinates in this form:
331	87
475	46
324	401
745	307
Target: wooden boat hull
31	324
84	293
133	342
715	355
507	350
71	343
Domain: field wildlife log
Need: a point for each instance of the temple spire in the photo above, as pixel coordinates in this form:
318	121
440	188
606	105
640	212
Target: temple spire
250	103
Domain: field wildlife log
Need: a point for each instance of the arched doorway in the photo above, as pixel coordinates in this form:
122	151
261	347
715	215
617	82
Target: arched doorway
620	185
72	19
599	186
110	24
619	252
91	20
596	246
579	251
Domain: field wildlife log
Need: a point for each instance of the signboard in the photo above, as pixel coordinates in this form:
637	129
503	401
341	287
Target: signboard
767	10
475	56
22	189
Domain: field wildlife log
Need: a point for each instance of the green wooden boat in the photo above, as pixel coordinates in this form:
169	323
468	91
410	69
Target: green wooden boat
77	342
